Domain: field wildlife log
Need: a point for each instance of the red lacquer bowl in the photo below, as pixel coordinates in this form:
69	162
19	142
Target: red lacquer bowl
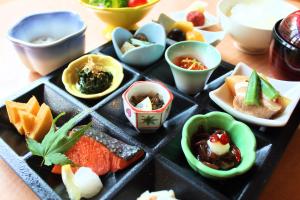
284	57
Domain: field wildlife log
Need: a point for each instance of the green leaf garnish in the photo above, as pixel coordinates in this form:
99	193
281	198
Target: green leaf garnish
57	142
58	159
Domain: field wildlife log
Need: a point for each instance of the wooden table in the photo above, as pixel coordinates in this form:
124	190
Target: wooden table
284	183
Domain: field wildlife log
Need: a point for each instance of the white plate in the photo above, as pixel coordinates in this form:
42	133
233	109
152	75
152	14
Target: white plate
210	37
290	89
210	20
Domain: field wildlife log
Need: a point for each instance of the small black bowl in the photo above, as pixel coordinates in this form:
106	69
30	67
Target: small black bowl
284	57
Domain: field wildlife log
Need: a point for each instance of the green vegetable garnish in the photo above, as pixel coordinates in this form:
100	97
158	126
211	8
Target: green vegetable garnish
268	90
57	142
110	3
253	90
92	81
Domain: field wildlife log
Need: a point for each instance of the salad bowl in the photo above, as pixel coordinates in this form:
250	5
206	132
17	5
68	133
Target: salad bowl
289	89
144	55
125	17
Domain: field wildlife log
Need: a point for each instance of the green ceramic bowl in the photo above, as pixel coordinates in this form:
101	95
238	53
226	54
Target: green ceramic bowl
192	81
240	134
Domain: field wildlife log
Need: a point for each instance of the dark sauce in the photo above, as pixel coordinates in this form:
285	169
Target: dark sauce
203	153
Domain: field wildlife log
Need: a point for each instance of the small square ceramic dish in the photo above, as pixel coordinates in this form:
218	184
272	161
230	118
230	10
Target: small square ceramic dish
289	89
210	20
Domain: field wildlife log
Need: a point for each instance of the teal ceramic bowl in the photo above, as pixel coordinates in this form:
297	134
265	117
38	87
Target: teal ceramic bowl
141	57
192	81
241	135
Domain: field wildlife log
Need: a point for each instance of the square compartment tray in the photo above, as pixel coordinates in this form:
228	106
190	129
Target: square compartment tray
164	166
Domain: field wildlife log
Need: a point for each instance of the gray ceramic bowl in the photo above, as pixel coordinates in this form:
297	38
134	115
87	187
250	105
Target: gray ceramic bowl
46	41
141	56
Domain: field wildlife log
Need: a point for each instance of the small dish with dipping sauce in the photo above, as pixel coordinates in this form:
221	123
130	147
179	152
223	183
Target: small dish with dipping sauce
192	81
224	98
92	76
241	137
45	42
147	105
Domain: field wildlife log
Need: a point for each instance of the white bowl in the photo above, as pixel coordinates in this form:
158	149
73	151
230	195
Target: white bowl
247	38
289	89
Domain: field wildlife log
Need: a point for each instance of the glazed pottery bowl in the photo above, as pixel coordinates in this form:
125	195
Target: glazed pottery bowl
240	134
284	57
141	56
147	121
44	41
192	81
126	17
249	39
108	64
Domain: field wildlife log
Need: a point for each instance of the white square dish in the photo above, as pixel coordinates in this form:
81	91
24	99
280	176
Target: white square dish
289	89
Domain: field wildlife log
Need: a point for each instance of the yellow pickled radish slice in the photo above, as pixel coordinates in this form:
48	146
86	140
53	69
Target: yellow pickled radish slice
68	180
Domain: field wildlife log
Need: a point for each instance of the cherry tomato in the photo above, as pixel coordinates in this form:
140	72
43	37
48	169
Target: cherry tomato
134	3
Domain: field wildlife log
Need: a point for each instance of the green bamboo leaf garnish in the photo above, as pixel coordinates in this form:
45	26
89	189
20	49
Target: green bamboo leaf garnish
57	142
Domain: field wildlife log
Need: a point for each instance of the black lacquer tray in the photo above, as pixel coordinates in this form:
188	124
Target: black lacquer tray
164	165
